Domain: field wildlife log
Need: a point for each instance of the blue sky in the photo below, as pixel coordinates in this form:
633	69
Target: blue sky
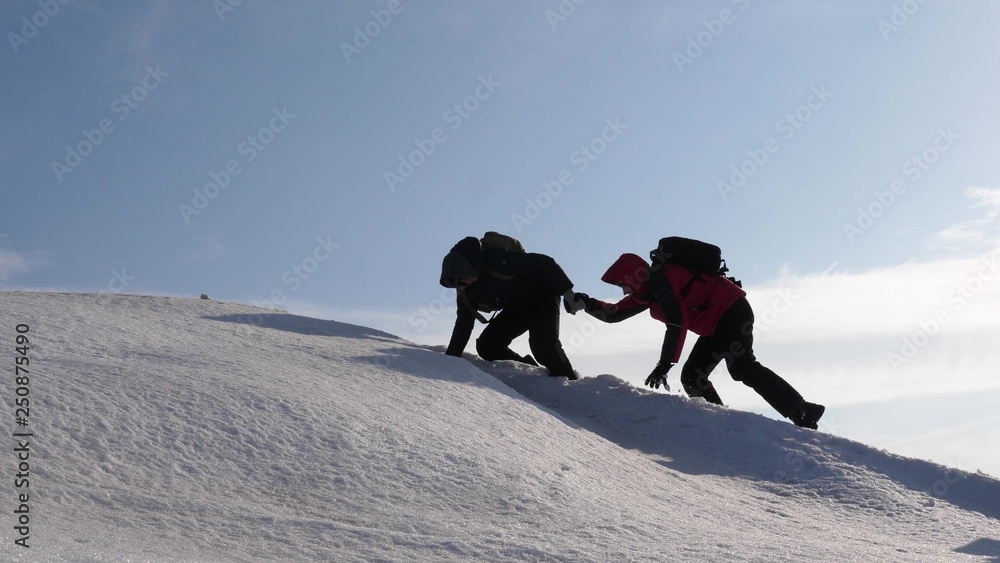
845	151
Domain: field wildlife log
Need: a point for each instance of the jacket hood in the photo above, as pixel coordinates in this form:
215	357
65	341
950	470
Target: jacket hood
631	271
455	267
465	260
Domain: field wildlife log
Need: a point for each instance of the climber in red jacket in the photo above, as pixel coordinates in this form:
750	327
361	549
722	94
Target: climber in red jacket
712	307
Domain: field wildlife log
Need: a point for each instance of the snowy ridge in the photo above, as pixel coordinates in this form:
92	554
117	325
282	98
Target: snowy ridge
169	429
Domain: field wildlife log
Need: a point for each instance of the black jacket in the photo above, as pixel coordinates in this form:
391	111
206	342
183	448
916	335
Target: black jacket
507	280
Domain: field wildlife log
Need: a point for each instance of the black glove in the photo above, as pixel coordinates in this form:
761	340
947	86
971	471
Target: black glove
572	302
659	376
588	301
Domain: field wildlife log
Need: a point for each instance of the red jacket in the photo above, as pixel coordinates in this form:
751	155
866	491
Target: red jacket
671	297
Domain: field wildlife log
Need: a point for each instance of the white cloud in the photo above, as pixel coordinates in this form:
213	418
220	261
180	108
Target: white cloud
878	301
975	234
986	197
15	263
11	263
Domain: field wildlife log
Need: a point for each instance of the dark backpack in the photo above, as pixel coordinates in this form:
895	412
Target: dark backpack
701	258
491	240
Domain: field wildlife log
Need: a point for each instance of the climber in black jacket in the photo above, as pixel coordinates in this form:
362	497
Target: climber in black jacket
524	287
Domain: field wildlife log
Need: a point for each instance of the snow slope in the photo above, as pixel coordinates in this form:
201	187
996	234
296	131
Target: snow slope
170	429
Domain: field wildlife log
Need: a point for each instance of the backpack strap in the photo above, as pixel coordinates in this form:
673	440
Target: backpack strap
464	299
497	275
695	276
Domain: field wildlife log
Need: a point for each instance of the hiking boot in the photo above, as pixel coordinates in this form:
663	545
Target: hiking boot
706	391
807	415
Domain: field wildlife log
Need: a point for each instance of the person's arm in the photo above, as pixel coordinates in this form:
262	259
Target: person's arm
611	312
673	340
673	343
460	335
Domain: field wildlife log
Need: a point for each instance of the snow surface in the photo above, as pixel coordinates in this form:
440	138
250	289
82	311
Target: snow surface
173	429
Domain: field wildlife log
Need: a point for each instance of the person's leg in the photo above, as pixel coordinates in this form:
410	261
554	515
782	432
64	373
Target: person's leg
736	328
701	361
494	342
543	338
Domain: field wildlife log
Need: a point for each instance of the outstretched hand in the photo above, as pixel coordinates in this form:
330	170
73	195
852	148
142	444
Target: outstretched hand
658	377
572	303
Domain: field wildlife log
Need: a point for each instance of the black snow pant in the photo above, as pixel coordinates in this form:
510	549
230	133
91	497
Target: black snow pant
733	342
540	319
